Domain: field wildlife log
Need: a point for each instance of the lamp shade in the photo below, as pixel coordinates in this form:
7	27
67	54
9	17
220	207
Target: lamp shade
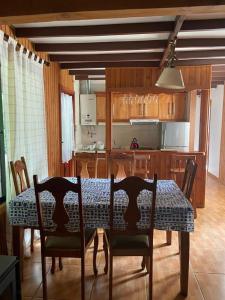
171	78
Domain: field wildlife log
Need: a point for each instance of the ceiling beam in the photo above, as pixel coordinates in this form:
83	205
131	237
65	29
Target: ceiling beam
23	11
189	62
134	56
121	29
87	72
105	57
85	77
130	45
108	64
95	30
173	35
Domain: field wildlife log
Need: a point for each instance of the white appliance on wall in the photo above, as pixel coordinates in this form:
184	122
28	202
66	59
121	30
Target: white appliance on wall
88	109
175	136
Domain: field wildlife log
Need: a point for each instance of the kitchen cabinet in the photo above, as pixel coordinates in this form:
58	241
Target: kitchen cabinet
144	107
165	106
120	108
101	107
172	107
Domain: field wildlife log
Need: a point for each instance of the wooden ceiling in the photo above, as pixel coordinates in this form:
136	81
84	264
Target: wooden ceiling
87	47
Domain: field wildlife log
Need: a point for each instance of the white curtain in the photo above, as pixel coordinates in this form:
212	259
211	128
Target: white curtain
23	111
67	122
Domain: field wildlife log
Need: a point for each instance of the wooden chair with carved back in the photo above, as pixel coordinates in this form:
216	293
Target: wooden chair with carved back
141	165
124	162
131	241
21	183
84	160
187	186
57	240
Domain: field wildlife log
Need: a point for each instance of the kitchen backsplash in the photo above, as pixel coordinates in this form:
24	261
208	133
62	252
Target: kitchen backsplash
147	135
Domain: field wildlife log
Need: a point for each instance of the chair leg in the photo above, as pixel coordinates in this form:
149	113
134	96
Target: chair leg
83	278
44	279
110	275
105	248
53	265
32	240
143	263
150	273
169	237
60	264
95	254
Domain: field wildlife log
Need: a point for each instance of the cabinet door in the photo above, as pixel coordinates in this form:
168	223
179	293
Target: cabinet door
151	108
179	107
165	106
101	107
120	108
136	110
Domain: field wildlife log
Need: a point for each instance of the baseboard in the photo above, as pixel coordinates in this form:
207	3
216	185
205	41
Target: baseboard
213	176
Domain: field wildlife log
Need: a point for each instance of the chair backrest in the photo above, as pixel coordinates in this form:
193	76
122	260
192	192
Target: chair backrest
142	164
85	159
189	177
179	161
122	160
133	186
58	187
20	175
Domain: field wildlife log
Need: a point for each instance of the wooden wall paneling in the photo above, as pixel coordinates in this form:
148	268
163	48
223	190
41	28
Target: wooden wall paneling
192	98
222	145
195	77
66	81
204	121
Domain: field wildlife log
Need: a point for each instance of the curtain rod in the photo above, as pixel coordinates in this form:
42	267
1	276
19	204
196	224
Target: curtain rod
25	50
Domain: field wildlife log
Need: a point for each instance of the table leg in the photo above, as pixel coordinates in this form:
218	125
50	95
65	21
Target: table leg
18	234
184	262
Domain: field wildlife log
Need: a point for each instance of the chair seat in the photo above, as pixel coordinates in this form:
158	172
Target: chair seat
129	241
67	242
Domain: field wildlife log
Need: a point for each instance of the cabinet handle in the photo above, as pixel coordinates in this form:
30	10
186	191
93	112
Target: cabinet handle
174	108
143	109
140	109
168	108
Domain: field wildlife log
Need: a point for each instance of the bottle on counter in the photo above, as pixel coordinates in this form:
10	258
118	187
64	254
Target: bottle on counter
134	144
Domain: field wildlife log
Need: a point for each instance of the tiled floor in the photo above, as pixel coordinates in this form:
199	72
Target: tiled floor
207	268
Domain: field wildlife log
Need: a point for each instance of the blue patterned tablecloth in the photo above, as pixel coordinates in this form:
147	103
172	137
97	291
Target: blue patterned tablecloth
173	210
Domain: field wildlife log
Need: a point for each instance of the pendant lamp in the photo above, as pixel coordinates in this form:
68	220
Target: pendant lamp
171	77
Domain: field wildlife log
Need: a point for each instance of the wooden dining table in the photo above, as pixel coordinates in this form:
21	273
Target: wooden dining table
173	212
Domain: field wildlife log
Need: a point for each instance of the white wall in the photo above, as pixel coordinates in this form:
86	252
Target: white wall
217	95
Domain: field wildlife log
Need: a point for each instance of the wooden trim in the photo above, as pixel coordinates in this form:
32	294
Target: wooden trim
43	10
87	72
192	112
109	64
204	121
222	145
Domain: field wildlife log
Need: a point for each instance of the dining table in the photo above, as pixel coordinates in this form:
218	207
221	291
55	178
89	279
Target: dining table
173	213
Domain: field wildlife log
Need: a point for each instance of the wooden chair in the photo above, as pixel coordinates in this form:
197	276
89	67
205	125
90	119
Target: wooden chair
131	241
85	159
187	186
57	240
123	161
21	183
141	165
178	165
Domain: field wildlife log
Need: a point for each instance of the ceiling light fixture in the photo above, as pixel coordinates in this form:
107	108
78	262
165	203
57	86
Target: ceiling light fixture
171	77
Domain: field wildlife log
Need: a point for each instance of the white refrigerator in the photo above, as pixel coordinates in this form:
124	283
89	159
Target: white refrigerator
175	136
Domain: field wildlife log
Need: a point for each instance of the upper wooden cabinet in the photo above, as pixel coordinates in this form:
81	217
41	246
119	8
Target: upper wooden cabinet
120	108
165	107
101	107
172	107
